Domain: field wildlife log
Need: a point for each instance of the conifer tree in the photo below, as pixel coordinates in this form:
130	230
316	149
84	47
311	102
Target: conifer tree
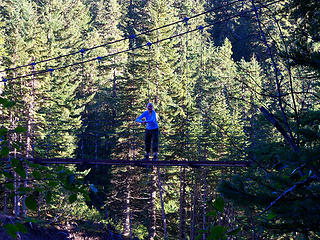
2	54
159	78
19	18
63	90
280	190
106	76
221	90
237	30
20	48
305	36
129	146
213	103
104	112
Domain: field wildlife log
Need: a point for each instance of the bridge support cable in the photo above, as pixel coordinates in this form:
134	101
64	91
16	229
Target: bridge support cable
5	201
123	39
200	94
49	114
132	140
97	116
200	134
124	51
82	51
31	121
186	19
149	72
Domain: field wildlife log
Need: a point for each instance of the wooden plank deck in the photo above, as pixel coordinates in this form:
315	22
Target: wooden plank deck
141	162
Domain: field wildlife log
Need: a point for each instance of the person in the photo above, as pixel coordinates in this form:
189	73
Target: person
151	132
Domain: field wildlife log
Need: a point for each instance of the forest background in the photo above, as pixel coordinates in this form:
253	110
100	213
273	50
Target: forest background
243	87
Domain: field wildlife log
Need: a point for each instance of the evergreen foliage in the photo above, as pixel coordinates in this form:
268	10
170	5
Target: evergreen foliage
246	88
305	39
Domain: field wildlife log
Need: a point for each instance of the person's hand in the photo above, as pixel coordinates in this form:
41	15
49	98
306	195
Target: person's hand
144	123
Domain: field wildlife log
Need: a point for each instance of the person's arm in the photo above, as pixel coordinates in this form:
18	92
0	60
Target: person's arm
139	119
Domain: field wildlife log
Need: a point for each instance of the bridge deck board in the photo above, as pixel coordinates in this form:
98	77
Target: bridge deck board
142	162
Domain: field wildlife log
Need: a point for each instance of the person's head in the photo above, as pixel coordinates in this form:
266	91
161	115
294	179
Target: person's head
149	106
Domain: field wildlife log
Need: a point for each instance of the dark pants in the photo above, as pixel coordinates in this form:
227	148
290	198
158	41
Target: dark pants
154	136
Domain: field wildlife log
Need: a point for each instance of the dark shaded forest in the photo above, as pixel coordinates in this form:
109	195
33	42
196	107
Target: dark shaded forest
230	81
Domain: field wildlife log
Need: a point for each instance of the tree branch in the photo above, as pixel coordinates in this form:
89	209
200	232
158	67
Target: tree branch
304	182
277	125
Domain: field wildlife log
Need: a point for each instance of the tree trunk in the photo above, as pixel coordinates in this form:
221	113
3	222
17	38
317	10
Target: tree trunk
25	184
29	144
126	228
162	207
193	207
182	210
16	195
204	212
5	204
278	126
12	140
287	134
152	210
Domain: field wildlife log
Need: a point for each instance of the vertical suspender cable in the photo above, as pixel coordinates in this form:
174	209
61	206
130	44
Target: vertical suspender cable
15	119
97	117
4	80
49	128
149	68
114	96
5	203
82	114
186	19
30	131
33	120
133	36
200	94
96	140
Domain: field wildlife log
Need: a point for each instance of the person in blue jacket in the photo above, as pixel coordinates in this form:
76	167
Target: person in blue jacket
152	131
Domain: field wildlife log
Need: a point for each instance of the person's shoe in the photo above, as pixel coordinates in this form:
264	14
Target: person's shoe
155	157
146	157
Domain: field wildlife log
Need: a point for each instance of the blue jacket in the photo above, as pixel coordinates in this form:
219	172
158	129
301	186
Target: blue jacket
150	119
